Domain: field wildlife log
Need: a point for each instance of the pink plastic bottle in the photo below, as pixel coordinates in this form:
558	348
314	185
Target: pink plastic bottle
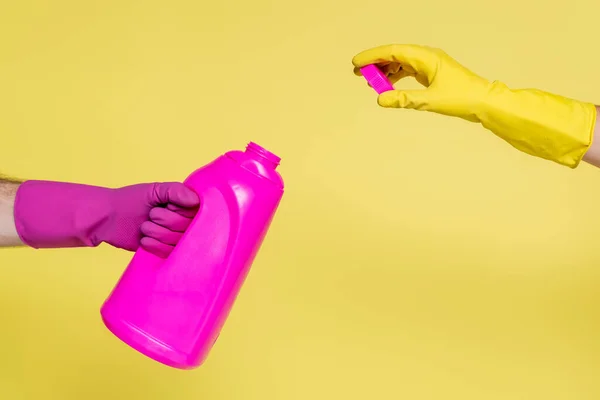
172	310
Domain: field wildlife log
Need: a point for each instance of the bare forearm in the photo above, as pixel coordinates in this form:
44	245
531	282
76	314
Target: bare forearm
592	156
8	231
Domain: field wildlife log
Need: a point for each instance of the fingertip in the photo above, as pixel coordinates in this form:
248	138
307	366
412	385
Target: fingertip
388	99
186	197
146	227
155	214
373	55
364	58
188	212
191	198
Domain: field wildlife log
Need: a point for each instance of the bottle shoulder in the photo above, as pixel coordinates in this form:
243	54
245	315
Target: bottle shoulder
227	168
256	167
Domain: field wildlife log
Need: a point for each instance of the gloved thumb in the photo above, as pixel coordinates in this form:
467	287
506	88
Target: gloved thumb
412	99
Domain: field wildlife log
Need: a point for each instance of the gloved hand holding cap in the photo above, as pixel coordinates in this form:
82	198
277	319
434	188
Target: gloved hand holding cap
533	121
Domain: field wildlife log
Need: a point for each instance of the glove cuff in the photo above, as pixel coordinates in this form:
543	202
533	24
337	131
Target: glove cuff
55	214
538	123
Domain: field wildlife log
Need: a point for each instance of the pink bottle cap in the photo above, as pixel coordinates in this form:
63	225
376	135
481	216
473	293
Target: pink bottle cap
376	78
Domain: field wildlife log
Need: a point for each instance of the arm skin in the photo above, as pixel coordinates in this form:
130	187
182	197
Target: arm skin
592	156
8	232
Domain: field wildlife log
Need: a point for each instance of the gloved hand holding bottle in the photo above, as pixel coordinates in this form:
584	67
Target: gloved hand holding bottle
536	122
44	214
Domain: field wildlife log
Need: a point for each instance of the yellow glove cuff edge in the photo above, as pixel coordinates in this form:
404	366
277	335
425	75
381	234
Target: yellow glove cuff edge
591	138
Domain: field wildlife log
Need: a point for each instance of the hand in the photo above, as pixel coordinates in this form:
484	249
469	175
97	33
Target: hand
538	123
158	212
55	214
451	88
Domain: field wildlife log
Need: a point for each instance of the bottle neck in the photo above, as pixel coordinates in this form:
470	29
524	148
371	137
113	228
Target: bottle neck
262	155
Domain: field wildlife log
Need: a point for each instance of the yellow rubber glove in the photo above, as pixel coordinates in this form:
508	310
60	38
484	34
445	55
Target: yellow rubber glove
538	123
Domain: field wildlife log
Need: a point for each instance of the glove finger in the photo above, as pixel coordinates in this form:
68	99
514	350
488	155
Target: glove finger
175	193
390	69
412	99
183	211
160	233
156	247
169	219
421	59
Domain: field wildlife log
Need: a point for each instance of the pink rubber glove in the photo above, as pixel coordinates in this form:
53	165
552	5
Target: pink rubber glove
56	214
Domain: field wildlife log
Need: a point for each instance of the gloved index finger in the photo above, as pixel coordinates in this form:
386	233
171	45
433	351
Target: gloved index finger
187	212
176	193
420	58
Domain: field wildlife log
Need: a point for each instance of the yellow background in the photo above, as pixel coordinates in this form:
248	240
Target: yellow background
414	256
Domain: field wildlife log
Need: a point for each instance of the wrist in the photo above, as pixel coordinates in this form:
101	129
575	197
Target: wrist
539	123
592	155
479	99
8	232
55	214
491	99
